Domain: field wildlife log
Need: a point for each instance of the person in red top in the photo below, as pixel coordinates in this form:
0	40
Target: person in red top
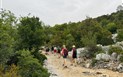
55	50
64	53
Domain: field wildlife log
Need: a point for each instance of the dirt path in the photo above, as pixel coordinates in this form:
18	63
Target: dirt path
54	65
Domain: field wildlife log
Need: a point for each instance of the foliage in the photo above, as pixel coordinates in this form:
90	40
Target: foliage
12	71
90	52
29	66
121	58
112	27
89	40
31	33
119	8
94	61
7	35
104	37
118	50
120	35
40	57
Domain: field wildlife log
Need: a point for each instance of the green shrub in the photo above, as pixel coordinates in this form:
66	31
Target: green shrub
40	57
121	58
11	71
94	61
120	35
30	66
118	50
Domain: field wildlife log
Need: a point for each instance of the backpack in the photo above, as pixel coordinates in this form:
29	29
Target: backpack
74	51
65	52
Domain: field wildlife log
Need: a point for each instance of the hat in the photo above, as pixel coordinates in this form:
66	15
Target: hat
64	46
73	46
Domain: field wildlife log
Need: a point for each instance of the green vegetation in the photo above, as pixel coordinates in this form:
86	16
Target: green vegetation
21	38
118	50
19	45
120	35
29	66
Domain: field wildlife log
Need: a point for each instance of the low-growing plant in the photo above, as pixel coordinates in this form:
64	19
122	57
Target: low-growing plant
116	49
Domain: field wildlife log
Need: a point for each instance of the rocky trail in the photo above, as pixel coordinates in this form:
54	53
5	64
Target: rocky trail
54	66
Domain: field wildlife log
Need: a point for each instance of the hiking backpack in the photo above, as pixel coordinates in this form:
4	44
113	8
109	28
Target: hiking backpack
65	52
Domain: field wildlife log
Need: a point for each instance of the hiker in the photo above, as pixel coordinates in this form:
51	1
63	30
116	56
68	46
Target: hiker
64	53
55	50
52	49
47	50
74	55
59	51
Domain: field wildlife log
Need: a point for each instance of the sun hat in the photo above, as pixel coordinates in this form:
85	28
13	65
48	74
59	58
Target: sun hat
64	46
73	46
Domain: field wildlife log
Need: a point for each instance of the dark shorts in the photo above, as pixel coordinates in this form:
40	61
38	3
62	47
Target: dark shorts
64	56
59	51
74	56
47	51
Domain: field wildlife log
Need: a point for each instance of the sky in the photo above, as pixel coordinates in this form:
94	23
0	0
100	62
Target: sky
53	12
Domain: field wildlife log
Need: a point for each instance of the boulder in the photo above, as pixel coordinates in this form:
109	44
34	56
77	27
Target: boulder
114	56
103	56
120	68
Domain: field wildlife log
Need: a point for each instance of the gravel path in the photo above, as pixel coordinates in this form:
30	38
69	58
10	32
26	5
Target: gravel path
54	66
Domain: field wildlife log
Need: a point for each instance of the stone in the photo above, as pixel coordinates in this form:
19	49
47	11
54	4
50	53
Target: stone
98	73
103	56
98	56
104	75
86	73
106	48
120	68
114	37
106	57
88	65
114	56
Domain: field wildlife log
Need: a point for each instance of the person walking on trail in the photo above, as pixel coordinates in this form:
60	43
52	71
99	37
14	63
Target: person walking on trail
55	50
59	51
64	53
47	50
52	49
74	55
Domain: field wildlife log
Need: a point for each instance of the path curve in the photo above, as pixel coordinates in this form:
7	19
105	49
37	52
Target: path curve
54	65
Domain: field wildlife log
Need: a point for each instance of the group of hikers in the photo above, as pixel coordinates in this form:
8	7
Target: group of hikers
63	52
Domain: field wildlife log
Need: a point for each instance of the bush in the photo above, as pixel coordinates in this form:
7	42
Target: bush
120	35
94	61
121	58
90	52
40	57
30	66
118	50
11	71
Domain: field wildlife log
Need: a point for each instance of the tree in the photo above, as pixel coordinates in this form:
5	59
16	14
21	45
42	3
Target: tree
119	8
29	66
112	27
120	35
12	71
31	33
104	37
7	35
